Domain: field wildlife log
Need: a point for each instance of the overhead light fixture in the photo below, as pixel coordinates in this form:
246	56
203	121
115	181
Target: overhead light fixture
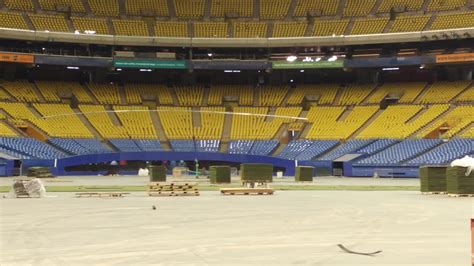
77	32
232	71
291	58
145	70
302	70
72	67
390	68
332	58
422	66
308	59
210	54
317	59
89	31
118	69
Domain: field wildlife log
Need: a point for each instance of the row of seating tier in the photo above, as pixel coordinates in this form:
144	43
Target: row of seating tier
100	119
466	96
189	9
189	95
26	5
241	29
105	93
445	153
354	94
443	91
6	131
104	7
454	121
30	148
442	5
274	9
325	93
271	95
254	147
212	123
249	123
306	149
408	5
53	90
79	146
12	20
135	93
147	7
183	145
22	90
177	122
405	91
125	145
52	5
207	145
377	146
400	152
218	92
348	147
333	123
358	8
137	121
221	8
401	121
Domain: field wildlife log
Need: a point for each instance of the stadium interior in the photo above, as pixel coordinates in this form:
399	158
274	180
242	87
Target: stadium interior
401	119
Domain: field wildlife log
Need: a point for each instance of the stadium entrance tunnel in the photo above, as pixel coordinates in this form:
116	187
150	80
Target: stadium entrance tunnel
130	162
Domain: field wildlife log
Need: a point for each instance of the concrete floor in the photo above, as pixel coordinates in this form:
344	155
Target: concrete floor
290	227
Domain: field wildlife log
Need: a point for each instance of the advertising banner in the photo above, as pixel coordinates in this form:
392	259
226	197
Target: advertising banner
455	58
73	61
17	58
302	65
150	63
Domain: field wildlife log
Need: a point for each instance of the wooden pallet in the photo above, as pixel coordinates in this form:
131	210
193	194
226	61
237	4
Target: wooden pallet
434	193
246	191
101	194
172	193
460	195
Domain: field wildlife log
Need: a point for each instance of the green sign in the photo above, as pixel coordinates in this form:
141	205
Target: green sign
150	63
303	65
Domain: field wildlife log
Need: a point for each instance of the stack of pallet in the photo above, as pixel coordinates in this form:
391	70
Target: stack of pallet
39	172
458	183
173	189
433	179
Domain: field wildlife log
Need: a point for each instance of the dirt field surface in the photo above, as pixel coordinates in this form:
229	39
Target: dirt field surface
289	227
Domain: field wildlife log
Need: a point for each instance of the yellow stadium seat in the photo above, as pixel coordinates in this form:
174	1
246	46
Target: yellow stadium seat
6	131
369	26
243	8
190	95
409	23
134	93
137	122
212	123
21	90
105	93
49	23
330	27
171	29
324	7
325	122
443	5
354	94
130	27
455	120
177	122
406	91
104	7
250	29
468	133
453	21
74	5
325	93
64	124
101	121
358	8
243	92
272	95
466	96
13	21
189	9
210	29
274	9
443	91
90	24
289	29
51	91
140	7
410	5
401	121
26	5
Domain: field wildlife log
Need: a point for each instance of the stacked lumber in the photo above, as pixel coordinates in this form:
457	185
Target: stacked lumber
457	183
246	191
173	189
433	179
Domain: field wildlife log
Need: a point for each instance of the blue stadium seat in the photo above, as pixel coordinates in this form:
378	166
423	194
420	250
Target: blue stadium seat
80	146
306	149
400	152
350	146
126	145
31	147
209	145
149	144
183	145
445	153
240	146
263	147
